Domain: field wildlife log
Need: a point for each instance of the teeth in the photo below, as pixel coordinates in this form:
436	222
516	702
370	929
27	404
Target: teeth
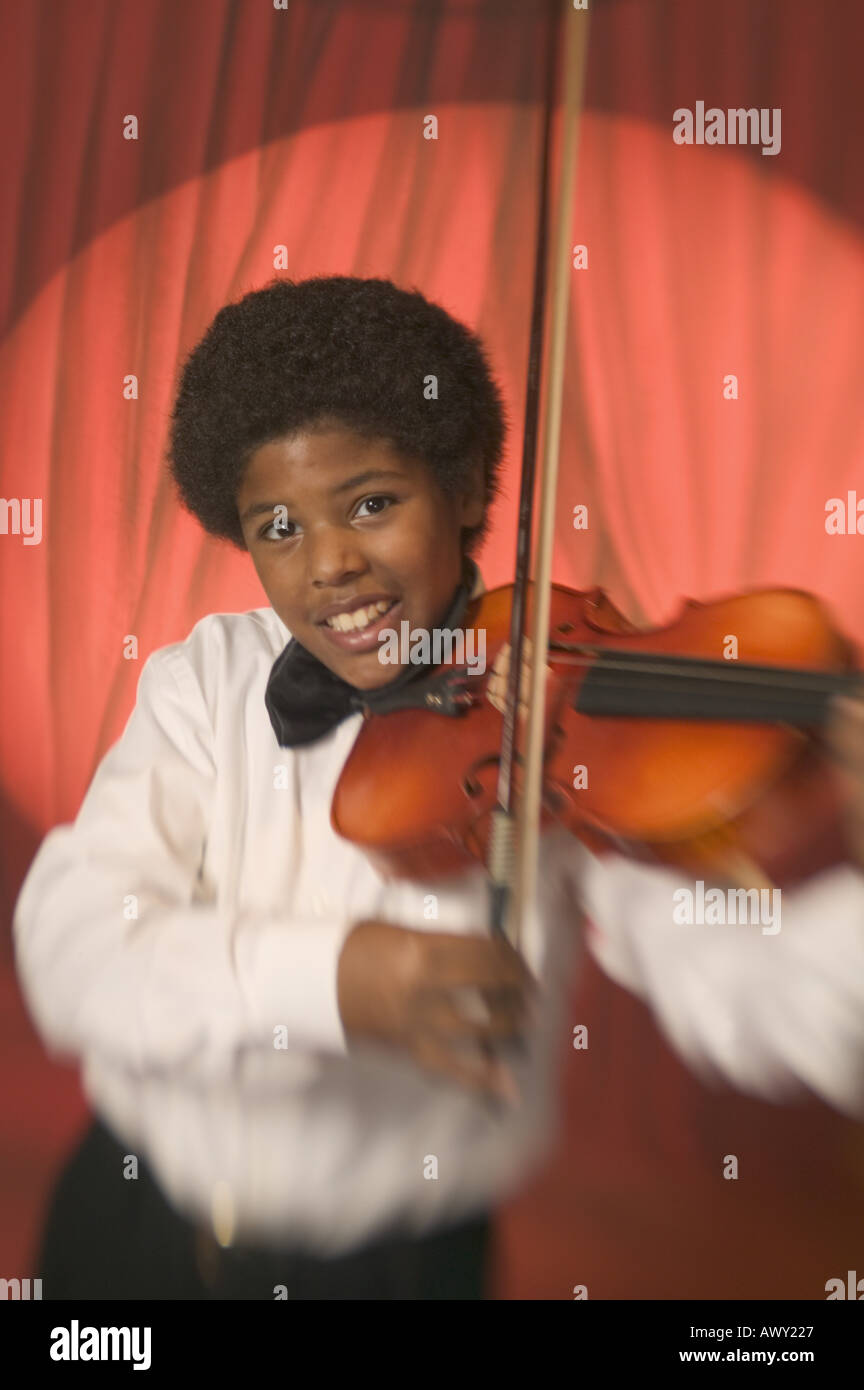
360	617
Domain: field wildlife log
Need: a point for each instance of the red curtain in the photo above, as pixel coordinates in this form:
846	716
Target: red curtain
291	141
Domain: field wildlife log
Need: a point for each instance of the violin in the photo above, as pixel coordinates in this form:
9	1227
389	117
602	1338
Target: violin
695	745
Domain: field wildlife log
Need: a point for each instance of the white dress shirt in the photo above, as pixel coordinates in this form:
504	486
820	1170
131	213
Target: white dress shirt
193	916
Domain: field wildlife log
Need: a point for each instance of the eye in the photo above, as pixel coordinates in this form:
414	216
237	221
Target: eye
379	503
285	531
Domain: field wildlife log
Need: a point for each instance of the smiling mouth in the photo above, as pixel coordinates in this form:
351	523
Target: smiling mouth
359	618
359	632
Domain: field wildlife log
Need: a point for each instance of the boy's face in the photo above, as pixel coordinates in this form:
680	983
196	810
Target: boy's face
335	523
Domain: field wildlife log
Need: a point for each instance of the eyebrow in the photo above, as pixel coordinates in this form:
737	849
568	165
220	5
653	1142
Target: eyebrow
359	480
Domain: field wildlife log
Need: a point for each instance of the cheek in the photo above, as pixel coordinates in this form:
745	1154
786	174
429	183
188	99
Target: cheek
406	549
276	580
432	534
263	567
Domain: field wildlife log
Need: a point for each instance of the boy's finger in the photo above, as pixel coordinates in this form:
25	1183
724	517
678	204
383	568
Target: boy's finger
477	1018
478	1072
481	961
844	730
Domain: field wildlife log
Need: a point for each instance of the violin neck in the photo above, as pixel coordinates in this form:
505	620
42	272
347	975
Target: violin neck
645	685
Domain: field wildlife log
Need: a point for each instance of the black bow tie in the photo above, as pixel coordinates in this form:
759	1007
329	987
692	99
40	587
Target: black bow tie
305	700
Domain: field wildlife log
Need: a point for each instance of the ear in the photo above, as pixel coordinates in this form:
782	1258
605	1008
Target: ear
474	498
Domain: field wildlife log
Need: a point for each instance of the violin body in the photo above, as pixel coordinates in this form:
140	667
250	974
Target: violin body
694	745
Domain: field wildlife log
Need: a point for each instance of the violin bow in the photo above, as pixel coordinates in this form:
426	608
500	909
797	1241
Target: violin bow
514	840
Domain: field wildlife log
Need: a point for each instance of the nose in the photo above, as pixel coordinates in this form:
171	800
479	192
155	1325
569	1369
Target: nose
334	556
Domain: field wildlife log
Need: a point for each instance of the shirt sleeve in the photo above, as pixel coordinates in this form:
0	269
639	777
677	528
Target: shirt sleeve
114	953
767	1007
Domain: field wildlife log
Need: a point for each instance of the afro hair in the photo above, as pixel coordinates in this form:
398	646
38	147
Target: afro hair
333	350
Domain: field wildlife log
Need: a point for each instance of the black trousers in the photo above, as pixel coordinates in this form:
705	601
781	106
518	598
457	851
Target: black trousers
107	1237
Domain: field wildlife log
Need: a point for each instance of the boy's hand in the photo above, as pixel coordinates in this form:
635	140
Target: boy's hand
443	999
845	734
496	686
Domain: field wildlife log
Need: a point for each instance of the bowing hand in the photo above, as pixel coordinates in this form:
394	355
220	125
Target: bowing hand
496	689
845	738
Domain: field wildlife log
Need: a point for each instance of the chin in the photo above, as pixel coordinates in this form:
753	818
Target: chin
363	672
369	679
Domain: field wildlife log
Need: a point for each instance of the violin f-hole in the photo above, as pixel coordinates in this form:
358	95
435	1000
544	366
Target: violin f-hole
471	786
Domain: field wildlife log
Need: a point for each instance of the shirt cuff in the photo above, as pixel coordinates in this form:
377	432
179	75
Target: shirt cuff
290	978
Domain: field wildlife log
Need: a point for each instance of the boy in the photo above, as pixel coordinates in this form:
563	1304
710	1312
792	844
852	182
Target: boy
309	1070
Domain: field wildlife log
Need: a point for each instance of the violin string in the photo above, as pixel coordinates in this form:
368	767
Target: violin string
777	678
659	704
